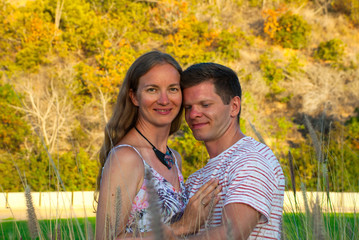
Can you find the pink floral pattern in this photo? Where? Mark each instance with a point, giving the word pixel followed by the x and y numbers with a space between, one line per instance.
pixel 172 202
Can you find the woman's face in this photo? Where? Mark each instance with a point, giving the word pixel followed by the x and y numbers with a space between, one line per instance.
pixel 158 95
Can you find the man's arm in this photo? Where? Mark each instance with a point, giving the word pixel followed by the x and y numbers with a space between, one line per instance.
pixel 240 219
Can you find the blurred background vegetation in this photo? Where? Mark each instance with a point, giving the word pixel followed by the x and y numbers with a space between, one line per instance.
pixel 62 63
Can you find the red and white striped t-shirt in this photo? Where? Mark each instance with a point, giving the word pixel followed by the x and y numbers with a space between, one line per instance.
pixel 250 174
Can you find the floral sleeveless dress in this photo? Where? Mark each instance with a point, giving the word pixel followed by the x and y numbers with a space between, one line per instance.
pixel 172 202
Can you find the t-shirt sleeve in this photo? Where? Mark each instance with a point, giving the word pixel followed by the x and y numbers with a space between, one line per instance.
pixel 251 181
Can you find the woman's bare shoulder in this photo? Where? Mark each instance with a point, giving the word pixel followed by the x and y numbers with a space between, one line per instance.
pixel 124 156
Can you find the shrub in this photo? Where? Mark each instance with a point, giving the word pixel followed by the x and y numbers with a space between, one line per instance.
pixel 348 7
pixel 229 43
pixel 292 31
pixel 332 50
pixel 13 129
pixel 272 73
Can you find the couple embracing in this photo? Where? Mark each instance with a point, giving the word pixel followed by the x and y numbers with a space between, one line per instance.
pixel 241 187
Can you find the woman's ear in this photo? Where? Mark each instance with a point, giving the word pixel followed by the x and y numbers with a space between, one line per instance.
pixel 235 106
pixel 133 97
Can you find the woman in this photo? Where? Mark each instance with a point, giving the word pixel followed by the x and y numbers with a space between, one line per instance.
pixel 148 110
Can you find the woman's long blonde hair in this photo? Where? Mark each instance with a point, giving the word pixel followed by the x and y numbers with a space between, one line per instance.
pixel 125 114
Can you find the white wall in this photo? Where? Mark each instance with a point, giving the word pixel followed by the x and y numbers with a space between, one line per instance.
pixel 80 204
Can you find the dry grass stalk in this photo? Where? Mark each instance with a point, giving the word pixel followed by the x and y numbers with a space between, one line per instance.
pixel 118 205
pixel 229 231
pixel 307 218
pixel 305 199
pixel 31 215
pixel 57 234
pixel 317 220
pixel 90 233
pixel 259 136
pixel 108 230
pixel 210 215
pixel 154 208
pixel 317 144
pixel 291 168
pixel 326 178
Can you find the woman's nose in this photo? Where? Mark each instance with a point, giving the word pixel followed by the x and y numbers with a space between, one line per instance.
pixel 163 98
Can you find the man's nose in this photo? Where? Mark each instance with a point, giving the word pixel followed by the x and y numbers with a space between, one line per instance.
pixel 194 112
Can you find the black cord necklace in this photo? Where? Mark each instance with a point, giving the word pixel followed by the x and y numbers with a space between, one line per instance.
pixel 166 159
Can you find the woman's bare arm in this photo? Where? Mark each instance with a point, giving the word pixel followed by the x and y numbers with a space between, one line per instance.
pixel 123 170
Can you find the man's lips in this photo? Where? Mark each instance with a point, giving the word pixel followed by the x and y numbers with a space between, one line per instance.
pixel 197 125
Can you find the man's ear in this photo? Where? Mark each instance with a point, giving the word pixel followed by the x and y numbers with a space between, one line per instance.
pixel 235 106
pixel 133 97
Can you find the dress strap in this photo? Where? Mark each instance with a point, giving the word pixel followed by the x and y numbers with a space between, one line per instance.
pixel 126 145
pixel 178 170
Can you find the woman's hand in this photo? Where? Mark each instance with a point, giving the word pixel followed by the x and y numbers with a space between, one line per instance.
pixel 198 208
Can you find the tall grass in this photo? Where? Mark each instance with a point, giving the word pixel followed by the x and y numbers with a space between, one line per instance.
pixel 307 218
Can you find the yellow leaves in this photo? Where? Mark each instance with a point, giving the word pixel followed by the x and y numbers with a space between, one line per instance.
pixel 271 25
pixel 210 38
pixel 108 70
pixel 38 30
pixel 122 42
pixel 107 44
pixel 271 22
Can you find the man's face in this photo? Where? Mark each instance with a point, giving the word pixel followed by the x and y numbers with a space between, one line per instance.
pixel 206 114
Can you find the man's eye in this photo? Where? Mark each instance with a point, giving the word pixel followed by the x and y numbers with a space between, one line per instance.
pixel 205 105
pixel 187 107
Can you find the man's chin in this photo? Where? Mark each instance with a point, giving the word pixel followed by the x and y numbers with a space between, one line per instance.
pixel 198 137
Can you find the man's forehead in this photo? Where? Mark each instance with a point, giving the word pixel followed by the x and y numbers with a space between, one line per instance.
pixel 199 93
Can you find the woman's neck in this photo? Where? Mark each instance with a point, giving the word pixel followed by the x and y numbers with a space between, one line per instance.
pixel 157 136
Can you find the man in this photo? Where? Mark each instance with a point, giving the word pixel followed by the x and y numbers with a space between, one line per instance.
pixel 251 200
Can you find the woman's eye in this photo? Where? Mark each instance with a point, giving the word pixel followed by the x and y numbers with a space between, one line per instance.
pixel 151 90
pixel 174 89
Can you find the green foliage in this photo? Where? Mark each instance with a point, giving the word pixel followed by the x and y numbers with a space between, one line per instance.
pixel 77 171
pixel 11 181
pixel 339 150
pixel 31 56
pixel 192 41
pixel 92 46
pixel 352 134
pixel 107 71
pixel 255 3
pixel 272 73
pixel 294 65
pixel 80 27
pixel 293 31
pixel 332 50
pixel 229 43
pixel 13 129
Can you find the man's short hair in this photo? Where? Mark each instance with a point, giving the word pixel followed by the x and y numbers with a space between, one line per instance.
pixel 224 79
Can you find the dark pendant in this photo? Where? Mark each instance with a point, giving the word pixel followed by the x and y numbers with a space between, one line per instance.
pixel 165 159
